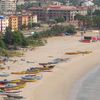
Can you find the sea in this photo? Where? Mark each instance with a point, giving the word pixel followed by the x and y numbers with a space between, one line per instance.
pixel 88 88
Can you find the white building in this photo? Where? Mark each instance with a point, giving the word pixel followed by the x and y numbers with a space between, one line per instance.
pixel 4 22
pixel 57 3
pixel 88 3
pixel 34 19
pixel 7 5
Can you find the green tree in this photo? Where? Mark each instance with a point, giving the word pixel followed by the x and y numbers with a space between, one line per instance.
pixel 2 44
pixel 96 13
pixel 19 39
pixel 8 36
pixel 60 19
pixel 70 29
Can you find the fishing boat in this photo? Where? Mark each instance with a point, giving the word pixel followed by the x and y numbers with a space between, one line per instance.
pixel 16 87
pixel 31 78
pixel 26 72
pixel 9 91
pixel 3 92
pixel 5 81
pixel 44 68
pixel 3 74
pixel 15 96
pixel 47 66
pixel 17 81
pixel 2 68
pixel 12 86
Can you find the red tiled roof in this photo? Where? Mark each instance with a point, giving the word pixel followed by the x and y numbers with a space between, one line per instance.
pixel 56 7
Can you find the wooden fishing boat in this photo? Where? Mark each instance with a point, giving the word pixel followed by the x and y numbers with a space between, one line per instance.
pixel 17 81
pixel 2 68
pixel 15 96
pixel 26 72
pixel 44 68
pixel 9 91
pixel 85 52
pixel 26 80
pixel 31 78
pixel 3 74
pixel 78 52
pixel 5 81
pixel 72 53
pixel 12 86
pixel 12 91
pixel 4 92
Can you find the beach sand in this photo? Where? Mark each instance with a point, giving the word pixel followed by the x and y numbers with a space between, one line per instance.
pixel 57 85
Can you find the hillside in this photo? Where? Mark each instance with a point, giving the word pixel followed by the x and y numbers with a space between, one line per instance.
pixel 77 2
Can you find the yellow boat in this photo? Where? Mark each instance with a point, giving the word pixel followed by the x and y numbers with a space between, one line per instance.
pixel 29 80
pixel 17 81
pixel 26 72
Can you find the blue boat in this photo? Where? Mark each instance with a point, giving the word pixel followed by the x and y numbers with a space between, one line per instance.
pixel 32 77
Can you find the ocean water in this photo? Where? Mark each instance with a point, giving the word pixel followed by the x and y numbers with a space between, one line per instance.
pixel 88 88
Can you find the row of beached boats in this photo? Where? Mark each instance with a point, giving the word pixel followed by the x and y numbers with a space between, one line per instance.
pixel 11 88
pixel 36 70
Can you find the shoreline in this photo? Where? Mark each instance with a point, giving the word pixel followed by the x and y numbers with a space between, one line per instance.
pixel 78 85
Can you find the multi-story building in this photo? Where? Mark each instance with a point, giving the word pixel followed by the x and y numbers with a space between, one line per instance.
pixel 40 12
pixel 13 22
pixel 4 22
pixel 55 11
pixel 32 18
pixel 23 20
pixel 7 6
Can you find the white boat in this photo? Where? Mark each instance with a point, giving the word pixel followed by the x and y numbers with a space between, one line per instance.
pixel 32 77
pixel 3 74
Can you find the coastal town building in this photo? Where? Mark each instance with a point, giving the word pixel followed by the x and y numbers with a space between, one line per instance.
pixel 4 22
pixel 57 11
pixel 56 3
pixel 7 6
pixel 16 21
pixel 23 20
pixel 33 19
pixel 13 22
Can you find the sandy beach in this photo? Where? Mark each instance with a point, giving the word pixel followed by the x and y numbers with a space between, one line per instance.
pixel 56 85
